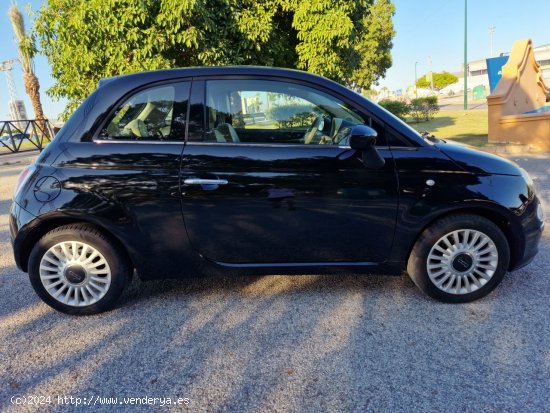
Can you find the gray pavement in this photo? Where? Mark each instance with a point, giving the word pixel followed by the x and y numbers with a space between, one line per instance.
pixel 19 158
pixel 456 102
pixel 282 344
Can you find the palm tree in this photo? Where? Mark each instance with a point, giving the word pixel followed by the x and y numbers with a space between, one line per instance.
pixel 26 53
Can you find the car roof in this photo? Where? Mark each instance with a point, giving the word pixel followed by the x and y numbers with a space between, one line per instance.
pixel 157 75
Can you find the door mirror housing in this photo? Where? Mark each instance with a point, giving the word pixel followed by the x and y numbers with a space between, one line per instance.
pixel 363 138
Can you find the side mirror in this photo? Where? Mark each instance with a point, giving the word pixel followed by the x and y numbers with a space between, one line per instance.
pixel 363 138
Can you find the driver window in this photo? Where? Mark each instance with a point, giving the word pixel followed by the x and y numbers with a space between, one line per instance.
pixel 273 112
pixel 151 115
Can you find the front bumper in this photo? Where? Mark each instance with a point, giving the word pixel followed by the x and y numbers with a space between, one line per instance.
pixel 532 228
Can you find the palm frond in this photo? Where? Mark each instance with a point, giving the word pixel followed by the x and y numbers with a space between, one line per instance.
pixel 26 46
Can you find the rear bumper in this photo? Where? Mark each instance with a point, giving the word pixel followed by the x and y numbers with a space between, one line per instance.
pixel 532 228
pixel 19 218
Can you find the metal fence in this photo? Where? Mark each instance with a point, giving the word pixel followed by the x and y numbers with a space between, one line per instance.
pixel 24 135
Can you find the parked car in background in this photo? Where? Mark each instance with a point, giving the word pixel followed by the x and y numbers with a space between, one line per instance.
pixel 14 138
pixel 168 174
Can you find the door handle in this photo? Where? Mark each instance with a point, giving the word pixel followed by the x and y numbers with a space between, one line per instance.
pixel 200 181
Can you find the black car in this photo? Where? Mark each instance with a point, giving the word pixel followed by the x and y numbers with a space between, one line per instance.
pixel 255 170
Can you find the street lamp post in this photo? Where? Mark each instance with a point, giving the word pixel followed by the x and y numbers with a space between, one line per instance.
pixel 465 54
pixel 431 73
pixel 415 80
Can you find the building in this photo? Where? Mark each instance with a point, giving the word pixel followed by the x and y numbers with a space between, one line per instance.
pixel 477 70
pixel 18 112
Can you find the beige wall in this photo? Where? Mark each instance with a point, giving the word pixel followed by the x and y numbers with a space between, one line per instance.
pixel 521 89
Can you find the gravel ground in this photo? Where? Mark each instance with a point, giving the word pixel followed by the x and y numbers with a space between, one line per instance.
pixel 283 344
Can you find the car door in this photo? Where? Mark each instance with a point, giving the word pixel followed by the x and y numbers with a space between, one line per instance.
pixel 268 180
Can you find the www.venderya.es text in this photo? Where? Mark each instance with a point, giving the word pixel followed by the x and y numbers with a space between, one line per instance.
pixel 95 400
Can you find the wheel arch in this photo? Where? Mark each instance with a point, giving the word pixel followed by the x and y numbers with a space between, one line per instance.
pixel 501 219
pixel 43 226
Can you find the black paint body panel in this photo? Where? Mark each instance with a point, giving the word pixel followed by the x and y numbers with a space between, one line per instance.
pixel 288 204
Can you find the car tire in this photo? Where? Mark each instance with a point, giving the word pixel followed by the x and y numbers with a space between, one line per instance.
pixel 459 258
pixel 78 270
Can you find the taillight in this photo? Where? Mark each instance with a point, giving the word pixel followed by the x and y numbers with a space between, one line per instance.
pixel 23 178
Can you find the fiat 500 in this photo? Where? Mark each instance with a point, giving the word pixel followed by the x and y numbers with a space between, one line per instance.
pixel 252 170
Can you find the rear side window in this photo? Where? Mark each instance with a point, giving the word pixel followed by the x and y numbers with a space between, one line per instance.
pixel 154 114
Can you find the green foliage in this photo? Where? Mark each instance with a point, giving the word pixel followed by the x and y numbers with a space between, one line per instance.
pixel 349 41
pixel 419 109
pixel 440 80
pixel 423 109
pixel 291 115
pixel 86 40
pixel 398 108
pixel 27 47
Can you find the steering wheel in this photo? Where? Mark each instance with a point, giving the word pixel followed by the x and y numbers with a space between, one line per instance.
pixel 316 126
pixel 342 135
pixel 155 131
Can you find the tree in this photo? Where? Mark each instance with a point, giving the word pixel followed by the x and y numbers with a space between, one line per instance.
pixel 26 53
pixel 86 40
pixel 440 80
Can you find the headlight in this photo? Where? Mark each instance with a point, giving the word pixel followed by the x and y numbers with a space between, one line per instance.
pixel 540 212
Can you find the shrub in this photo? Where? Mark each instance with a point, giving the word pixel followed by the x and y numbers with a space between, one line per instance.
pixel 431 106
pixel 398 108
pixel 424 108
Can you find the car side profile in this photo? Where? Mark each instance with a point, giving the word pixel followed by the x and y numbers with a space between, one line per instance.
pixel 178 173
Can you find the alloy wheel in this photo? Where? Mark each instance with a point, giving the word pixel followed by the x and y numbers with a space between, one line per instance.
pixel 75 273
pixel 462 261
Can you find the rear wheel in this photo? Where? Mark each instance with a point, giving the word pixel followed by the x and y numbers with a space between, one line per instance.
pixel 459 258
pixel 77 270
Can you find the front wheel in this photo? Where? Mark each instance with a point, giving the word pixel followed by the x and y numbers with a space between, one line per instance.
pixel 459 258
pixel 77 270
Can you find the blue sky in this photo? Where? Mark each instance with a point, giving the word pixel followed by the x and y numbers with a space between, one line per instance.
pixel 425 28
pixel 435 28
